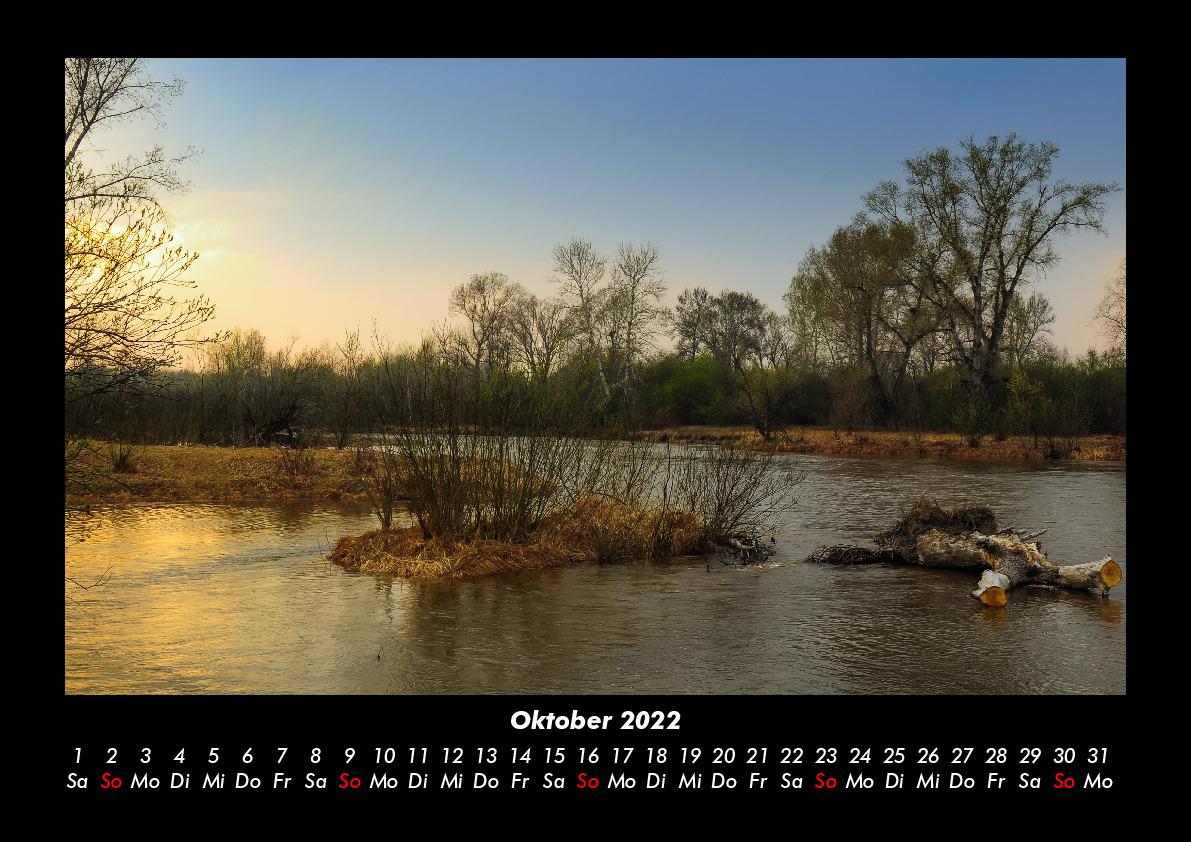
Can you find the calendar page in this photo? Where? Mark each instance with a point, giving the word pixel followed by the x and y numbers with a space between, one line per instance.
pixel 596 433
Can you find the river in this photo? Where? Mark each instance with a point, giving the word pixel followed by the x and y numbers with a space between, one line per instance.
pixel 240 599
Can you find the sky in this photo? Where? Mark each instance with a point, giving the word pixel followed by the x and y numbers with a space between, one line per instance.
pixel 328 193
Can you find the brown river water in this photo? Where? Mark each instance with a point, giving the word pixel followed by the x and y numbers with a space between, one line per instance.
pixel 240 599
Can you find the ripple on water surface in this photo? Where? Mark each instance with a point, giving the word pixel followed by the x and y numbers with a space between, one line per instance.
pixel 235 598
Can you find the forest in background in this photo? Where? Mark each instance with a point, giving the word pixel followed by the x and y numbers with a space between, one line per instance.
pixel 739 363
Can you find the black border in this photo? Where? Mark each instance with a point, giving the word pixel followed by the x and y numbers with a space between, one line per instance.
pixel 483 719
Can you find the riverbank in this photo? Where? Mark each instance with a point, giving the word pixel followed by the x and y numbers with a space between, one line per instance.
pixel 198 474
pixel 897 443
pixel 201 474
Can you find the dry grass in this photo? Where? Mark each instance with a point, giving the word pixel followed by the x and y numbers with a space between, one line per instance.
pixel 229 474
pixel 404 552
pixel 894 443
pixel 927 515
pixel 606 530
pixel 597 530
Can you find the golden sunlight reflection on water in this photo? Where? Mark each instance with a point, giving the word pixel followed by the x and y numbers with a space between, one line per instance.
pixel 240 599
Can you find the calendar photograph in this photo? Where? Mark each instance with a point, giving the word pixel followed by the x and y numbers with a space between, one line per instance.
pixel 594 377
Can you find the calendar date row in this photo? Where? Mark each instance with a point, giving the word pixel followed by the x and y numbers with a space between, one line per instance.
pixel 617 755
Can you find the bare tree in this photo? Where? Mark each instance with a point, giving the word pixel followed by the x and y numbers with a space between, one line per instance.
pixel 541 330
pixel 758 346
pixel 105 91
pixel 264 397
pixel 689 320
pixel 1027 329
pixel 857 300
pixel 344 402
pixel 127 315
pixel 988 215
pixel 1111 312
pixel 123 324
pixel 734 321
pixel 486 302
pixel 580 271
pixel 763 372
pixel 635 299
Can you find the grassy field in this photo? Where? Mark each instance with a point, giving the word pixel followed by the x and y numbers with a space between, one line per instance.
pixel 225 474
pixel 896 443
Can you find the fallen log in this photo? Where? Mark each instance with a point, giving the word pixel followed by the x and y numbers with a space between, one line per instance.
pixel 968 539
pixel 1009 562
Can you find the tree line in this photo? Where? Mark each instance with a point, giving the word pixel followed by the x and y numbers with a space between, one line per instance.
pixel 734 361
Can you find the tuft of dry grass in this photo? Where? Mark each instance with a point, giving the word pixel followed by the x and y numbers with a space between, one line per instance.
pixel 405 552
pixel 606 530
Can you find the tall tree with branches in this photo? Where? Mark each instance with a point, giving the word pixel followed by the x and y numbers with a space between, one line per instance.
pixel 689 321
pixel 1111 312
pixel 580 271
pixel 635 298
pixel 987 216
pixel 855 295
pixel 128 315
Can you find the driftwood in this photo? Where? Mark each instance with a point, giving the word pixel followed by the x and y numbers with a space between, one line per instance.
pixel 745 549
pixel 968 539
pixel 845 554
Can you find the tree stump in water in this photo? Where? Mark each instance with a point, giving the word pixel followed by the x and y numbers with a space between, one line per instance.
pixel 968 539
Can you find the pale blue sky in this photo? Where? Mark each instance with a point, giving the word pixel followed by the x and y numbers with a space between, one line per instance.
pixel 331 192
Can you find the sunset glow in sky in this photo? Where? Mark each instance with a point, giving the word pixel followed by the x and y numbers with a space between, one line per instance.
pixel 328 193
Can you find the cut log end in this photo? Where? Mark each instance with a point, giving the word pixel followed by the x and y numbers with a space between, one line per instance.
pixel 1099 575
pixel 992 588
pixel 993 596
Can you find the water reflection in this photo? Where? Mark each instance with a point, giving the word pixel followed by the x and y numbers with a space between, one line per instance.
pixel 220 598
